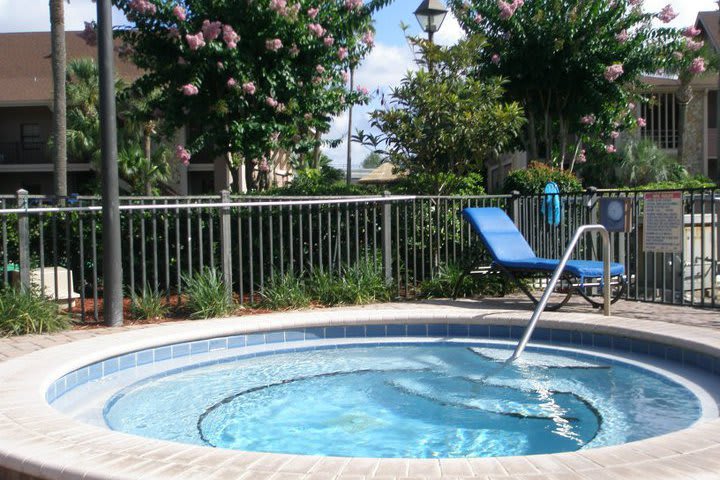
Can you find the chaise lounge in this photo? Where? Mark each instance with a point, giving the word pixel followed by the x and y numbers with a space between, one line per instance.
pixel 513 256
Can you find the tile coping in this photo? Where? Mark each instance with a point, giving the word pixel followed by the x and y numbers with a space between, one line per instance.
pixel 38 441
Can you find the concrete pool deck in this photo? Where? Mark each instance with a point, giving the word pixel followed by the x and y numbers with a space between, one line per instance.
pixel 38 442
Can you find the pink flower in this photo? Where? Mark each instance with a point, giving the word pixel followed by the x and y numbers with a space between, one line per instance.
pixel 478 18
pixel 588 119
pixel 231 82
pixel 368 38
pixel 249 88
pixel 211 30
pixel 692 32
pixel 279 6
pixel 642 123
pixel 179 13
pixel 89 34
pixel 273 45
pixel 581 158
pixel 190 90
pixel 697 66
pixel 635 3
pixel 678 55
pixel 345 76
pixel 631 106
pixel 495 58
pixel 353 4
pixel 271 102
pixel 229 36
pixel 507 10
pixel 195 41
pixel 613 72
pixel 667 14
pixel 317 29
pixel 622 37
pixel 317 80
pixel 312 12
pixel 692 45
pixel 342 53
pixel 143 6
pixel 328 41
pixel 614 134
pixel 362 90
pixel 182 155
pixel 280 107
pixel 610 148
pixel 320 69
pixel 294 50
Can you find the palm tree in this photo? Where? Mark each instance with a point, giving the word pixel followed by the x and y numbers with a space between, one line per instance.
pixel 59 66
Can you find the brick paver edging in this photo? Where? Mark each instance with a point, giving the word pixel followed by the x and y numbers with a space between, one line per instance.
pixel 37 442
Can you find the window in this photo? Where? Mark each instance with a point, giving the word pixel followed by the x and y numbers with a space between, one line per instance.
pixel 30 136
pixel 662 115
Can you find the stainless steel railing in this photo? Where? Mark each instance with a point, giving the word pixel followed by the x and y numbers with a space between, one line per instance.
pixel 540 308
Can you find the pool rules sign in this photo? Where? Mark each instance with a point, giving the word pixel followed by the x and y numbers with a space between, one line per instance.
pixel 663 222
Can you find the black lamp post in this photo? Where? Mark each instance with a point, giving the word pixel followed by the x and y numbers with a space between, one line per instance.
pixel 430 15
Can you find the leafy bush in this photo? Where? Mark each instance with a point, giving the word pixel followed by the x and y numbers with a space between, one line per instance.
pixel 313 182
pixel 24 312
pixel 364 283
pixel 644 163
pixel 449 282
pixel 284 291
pixel 533 179
pixel 697 181
pixel 440 184
pixel 148 304
pixel 207 295
pixel 326 288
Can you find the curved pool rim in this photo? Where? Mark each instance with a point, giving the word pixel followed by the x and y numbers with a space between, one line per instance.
pixel 39 442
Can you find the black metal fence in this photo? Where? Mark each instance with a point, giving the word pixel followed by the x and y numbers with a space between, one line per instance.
pixel 252 239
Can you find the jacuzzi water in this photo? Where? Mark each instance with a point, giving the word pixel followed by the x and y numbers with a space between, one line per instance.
pixel 412 401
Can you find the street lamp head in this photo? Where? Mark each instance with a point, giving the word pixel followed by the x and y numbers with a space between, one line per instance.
pixel 431 14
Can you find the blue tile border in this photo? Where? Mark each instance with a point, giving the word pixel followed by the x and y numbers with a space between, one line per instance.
pixel 283 337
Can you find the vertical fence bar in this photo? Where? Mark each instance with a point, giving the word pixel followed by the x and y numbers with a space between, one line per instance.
pixel 226 242
pixel 24 241
pixel 387 239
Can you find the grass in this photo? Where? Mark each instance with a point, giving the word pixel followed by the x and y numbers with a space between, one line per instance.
pixel 284 292
pixel 148 304
pixel 207 295
pixel 24 312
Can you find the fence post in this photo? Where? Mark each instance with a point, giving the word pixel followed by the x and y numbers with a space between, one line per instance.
pixel 226 242
pixel 515 207
pixel 24 240
pixel 387 238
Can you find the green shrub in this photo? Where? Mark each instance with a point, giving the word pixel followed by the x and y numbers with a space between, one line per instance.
pixel 148 304
pixel 440 184
pixel 326 288
pixel 450 282
pixel 697 181
pixel 283 292
pixel 532 180
pixel 364 283
pixel 645 163
pixel 23 312
pixel 207 295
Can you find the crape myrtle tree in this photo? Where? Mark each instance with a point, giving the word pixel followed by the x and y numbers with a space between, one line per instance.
pixel 252 76
pixel 574 65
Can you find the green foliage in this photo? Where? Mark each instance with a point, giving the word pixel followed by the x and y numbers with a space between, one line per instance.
pixel 148 304
pixel 440 184
pixel 643 163
pixel 555 54
pixel 283 292
pixel 275 51
pixel 25 312
pixel 314 183
pixel 146 173
pixel 444 119
pixel 373 160
pixel 207 295
pixel 364 283
pixel 690 182
pixel 359 284
pixel 532 180
pixel 450 282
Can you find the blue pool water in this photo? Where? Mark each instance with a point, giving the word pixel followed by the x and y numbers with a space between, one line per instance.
pixel 414 401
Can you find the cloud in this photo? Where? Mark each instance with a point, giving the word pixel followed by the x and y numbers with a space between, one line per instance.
pixel 34 16
pixel 450 32
pixel 386 65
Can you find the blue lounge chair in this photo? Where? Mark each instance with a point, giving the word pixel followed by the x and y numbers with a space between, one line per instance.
pixel 513 256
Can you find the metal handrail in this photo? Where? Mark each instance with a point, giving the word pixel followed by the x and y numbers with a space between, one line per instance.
pixel 540 308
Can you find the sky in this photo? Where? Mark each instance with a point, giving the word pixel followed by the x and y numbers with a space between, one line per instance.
pixel 381 70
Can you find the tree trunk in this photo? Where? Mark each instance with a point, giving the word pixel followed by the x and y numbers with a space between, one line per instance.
pixel 316 151
pixel 59 123
pixel 533 149
pixel 684 96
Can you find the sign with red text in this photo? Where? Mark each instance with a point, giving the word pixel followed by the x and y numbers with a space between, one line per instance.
pixel 663 222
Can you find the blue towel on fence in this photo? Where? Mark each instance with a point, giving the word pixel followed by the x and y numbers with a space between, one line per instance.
pixel 551 204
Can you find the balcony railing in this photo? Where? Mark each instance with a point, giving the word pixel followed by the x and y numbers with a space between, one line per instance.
pixel 23 153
